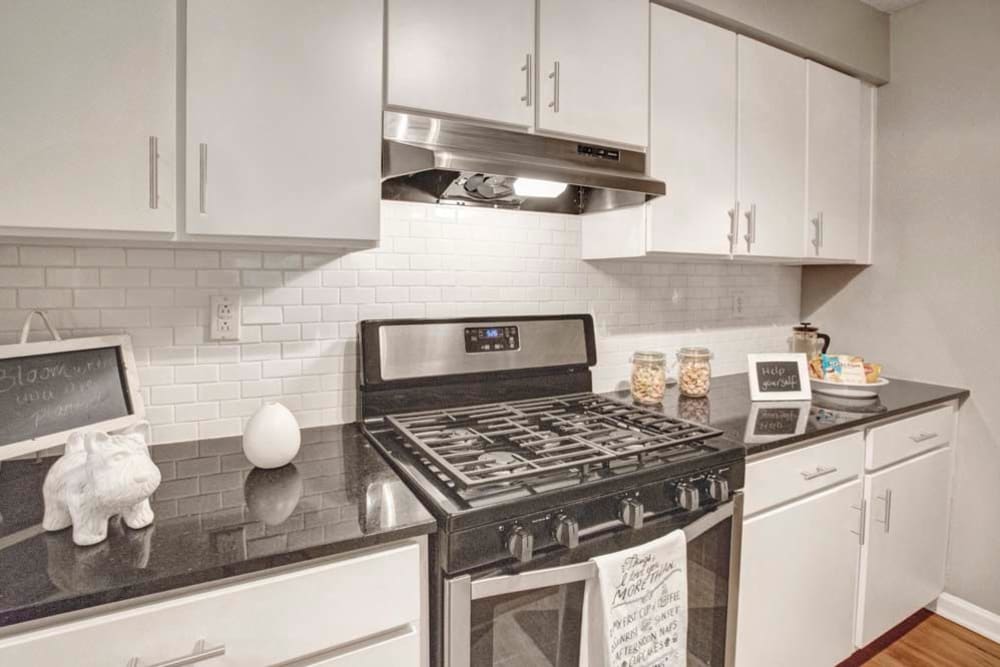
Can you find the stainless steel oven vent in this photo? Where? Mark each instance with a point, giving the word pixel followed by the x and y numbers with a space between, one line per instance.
pixel 436 160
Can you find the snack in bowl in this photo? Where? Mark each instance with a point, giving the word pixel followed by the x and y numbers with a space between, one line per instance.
pixel 844 368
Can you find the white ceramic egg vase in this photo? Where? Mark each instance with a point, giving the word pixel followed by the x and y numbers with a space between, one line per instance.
pixel 272 437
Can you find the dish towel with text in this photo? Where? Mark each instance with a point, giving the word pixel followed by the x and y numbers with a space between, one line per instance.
pixel 635 611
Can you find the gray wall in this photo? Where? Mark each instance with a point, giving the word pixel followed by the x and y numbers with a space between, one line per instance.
pixel 846 34
pixel 929 307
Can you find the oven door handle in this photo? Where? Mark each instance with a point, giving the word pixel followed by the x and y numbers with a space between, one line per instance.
pixel 461 591
pixel 569 574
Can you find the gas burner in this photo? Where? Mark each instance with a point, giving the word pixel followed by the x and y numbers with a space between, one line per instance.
pixel 486 444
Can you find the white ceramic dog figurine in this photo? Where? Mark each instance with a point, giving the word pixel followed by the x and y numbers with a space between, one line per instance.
pixel 98 476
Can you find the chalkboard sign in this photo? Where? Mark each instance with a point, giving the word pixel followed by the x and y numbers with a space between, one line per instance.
pixel 48 390
pixel 772 421
pixel 779 377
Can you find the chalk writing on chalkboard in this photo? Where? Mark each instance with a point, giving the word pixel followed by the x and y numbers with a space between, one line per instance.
pixel 778 376
pixel 51 393
pixel 777 421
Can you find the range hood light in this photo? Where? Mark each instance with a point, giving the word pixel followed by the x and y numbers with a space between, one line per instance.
pixel 533 187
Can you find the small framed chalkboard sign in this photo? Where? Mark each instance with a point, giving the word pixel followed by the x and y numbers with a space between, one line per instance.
pixel 772 421
pixel 50 389
pixel 779 377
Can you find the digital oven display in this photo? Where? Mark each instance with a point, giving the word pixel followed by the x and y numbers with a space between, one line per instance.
pixel 492 339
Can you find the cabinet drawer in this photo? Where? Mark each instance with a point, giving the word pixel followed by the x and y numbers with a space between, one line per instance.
pixel 907 437
pixel 271 620
pixel 801 472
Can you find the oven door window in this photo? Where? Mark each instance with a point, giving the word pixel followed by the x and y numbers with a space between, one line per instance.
pixel 541 626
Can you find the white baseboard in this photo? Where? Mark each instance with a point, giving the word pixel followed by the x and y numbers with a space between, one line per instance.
pixel 968 615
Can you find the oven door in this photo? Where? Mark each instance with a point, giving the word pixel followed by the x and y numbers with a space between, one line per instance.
pixel 533 617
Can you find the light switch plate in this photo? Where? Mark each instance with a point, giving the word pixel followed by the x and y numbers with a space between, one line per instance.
pixel 224 317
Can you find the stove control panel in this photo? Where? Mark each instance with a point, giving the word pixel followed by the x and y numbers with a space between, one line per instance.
pixel 492 339
pixel 523 538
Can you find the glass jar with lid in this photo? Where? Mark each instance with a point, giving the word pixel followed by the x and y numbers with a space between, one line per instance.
pixel 694 371
pixel 649 377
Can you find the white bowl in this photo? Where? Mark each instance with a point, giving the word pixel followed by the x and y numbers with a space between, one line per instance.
pixel 845 390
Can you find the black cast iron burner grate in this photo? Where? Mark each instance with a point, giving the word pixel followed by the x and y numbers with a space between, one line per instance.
pixel 503 442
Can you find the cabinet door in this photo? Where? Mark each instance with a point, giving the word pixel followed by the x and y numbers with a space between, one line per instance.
pixel 85 86
pixel 473 59
pixel 835 164
pixel 692 133
pixel 284 118
pixel 903 560
pixel 772 150
pixel 798 575
pixel 593 66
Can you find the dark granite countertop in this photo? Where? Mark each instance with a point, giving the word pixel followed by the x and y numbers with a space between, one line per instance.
pixel 767 426
pixel 216 517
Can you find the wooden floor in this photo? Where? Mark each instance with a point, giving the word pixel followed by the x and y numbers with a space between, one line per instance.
pixel 937 642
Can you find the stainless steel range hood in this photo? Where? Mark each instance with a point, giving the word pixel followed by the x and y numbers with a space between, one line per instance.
pixel 437 160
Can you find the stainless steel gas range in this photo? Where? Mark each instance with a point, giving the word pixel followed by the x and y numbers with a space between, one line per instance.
pixel 492 423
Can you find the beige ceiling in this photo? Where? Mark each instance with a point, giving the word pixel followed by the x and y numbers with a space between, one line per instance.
pixel 890 6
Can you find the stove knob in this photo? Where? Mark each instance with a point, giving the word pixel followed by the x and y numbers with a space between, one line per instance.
pixel 630 512
pixel 521 543
pixel 718 488
pixel 687 496
pixel 567 531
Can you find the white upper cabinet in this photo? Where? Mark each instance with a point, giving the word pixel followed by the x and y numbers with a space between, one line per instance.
pixel 772 151
pixel 88 116
pixel 836 164
pixel 284 118
pixel 471 59
pixel 903 558
pixel 593 66
pixel 692 135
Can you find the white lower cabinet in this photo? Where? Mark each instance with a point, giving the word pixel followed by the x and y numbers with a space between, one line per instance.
pixel 359 610
pixel 835 554
pixel 797 594
pixel 903 558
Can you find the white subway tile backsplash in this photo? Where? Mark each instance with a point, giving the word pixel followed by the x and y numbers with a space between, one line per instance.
pixel 300 312
pixel 46 256
pixel 100 257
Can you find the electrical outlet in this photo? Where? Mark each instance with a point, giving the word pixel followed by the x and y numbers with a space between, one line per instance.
pixel 225 317
pixel 739 303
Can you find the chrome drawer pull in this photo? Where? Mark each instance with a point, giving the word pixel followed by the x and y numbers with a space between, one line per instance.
pixel 154 173
pixel 203 178
pixel 923 437
pixel 199 654
pixel 526 98
pixel 861 521
pixel 818 472
pixel 887 499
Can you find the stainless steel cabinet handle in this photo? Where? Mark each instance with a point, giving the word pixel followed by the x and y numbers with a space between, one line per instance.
pixel 822 229
pixel 154 173
pixel 751 236
pixel 887 499
pixel 554 104
pixel 860 532
pixel 526 98
pixel 923 437
pixel 818 239
pixel 820 471
pixel 203 178
pixel 734 224
pixel 199 654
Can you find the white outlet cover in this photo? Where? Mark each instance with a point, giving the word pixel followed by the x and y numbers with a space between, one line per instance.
pixel 224 317
pixel 739 298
